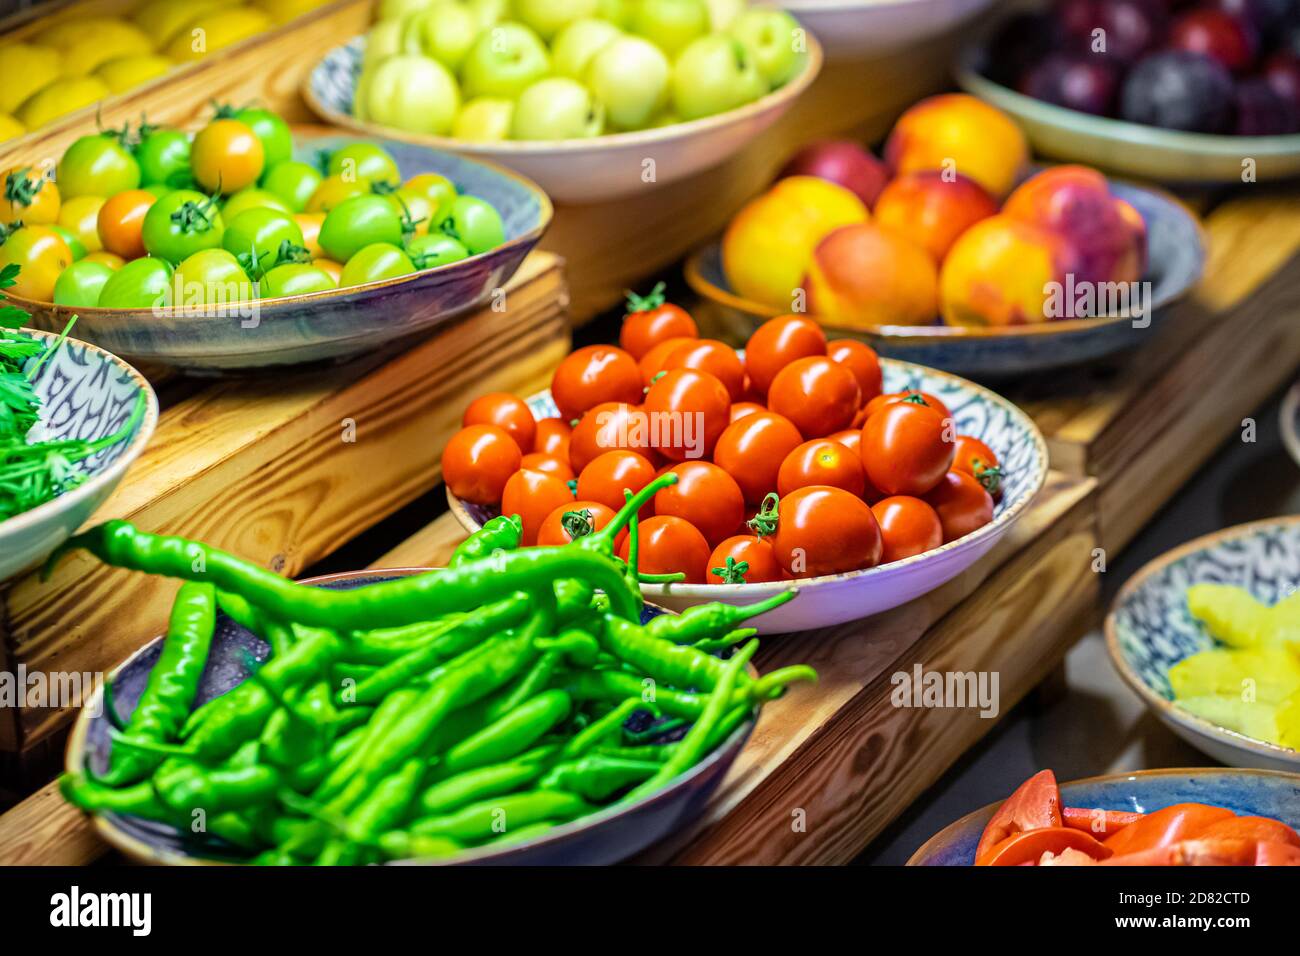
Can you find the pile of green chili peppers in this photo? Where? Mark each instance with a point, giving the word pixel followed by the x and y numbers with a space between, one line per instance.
pixel 480 704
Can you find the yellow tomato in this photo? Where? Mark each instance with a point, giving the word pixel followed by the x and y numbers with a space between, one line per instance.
pixel 10 128
pixel 215 30
pixel 164 19
pixel 41 254
pixel 331 268
pixel 310 223
pixel 333 190
pixel 80 216
pixel 84 56
pixel 24 69
pixel 27 196
pixel 126 72
pixel 106 258
pixel 61 97
pixel 121 222
pixel 226 155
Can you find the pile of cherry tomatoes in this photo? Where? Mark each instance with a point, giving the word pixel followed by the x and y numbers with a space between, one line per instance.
pixel 797 465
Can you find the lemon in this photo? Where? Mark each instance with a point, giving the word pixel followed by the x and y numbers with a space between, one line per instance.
pixel 164 19
pixel 10 128
pixel 282 11
pixel 60 97
pixel 84 56
pixel 24 69
pixel 213 31
pixel 67 33
pixel 128 71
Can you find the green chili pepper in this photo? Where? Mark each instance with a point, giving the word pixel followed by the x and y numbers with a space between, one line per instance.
pixel 678 665
pixel 386 715
pixel 596 732
pixel 597 777
pixel 398 845
pixel 532 683
pixel 137 800
pixel 709 620
pixel 482 821
pixel 483 782
pixel 510 734
pixel 503 533
pixel 185 786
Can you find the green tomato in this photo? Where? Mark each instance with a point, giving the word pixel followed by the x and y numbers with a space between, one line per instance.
pixel 293 182
pixel 140 284
pixel 438 189
pixel 258 238
pixel 295 278
pixel 254 198
pixel 76 245
pixel 475 223
pixel 79 285
pixel 357 222
pixel 164 157
pixel 180 224
pixel 211 277
pixel 379 260
pixel 364 161
pixel 277 141
pixel 433 250
pixel 158 189
pixel 97 165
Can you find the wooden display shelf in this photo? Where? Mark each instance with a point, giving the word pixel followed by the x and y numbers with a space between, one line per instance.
pixel 837 751
pixel 280 470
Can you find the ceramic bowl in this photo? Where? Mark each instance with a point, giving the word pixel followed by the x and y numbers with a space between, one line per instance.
pixel 836 598
pixel 1149 628
pixel 1247 792
pixel 1131 149
pixel 853 29
pixel 338 323
pixel 1290 422
pixel 86 393
pixel 613 834
pixel 575 170
pixel 1176 253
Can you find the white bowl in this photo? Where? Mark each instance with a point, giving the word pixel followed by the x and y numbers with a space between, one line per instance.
pixel 836 598
pixel 85 393
pixel 575 170
pixel 851 29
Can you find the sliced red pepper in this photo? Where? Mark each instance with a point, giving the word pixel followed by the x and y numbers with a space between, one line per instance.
pixel 1028 846
pixel 1100 823
pixel 1182 821
pixel 1260 829
pixel 1036 803
pixel 1277 854
pixel 1190 853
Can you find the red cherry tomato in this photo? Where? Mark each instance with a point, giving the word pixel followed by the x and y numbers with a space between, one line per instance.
pixel 583 517
pixel 593 375
pixel 477 463
pixel 666 545
pixel 778 342
pixel 908 527
pixel 977 460
pixel 740 409
pixel 650 320
pixel 717 358
pixel 893 398
pixel 506 411
pixel 753 561
pixel 548 464
pixel 824 530
pixel 552 437
pixel 850 438
pixel 608 427
pixel 821 462
pixel 608 474
pixel 962 504
pixel 686 412
pixel 707 497
pixel 751 451
pixel 656 360
pixel 906 449
pixel 819 395
pixel 860 359
pixel 533 495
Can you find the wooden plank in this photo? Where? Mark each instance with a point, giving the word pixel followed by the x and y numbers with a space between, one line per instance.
pixel 1144 425
pixel 265 468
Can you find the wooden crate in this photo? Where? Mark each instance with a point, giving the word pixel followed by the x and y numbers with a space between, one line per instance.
pixel 838 752
pixel 262 467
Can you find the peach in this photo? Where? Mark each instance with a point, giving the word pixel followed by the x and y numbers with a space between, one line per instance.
pixel 1075 201
pixel 1001 272
pixel 956 133
pixel 865 275
pixel 767 246
pixel 931 209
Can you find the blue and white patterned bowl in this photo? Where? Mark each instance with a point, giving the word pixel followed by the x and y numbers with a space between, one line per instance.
pixel 1176 259
pixel 1290 422
pixel 1149 628
pixel 836 598
pixel 338 323
pixel 86 393
pixel 1261 793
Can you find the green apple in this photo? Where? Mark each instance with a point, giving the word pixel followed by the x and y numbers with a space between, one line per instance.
pixel 617 12
pixel 549 17
pixel 383 40
pixel 484 120
pixel 446 32
pixel 671 25
pixel 722 13
pixel 578 43
pixel 714 74
pixel 630 76
pixel 413 93
pixel 489 12
pixel 558 108
pixel 775 40
pixel 504 61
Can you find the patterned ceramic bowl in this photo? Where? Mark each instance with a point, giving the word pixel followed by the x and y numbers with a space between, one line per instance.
pixel 853 29
pixel 1149 628
pixel 1290 422
pixel 836 598
pixel 1176 258
pixel 606 837
pixel 341 322
pixel 1247 792
pixel 86 393
pixel 576 170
